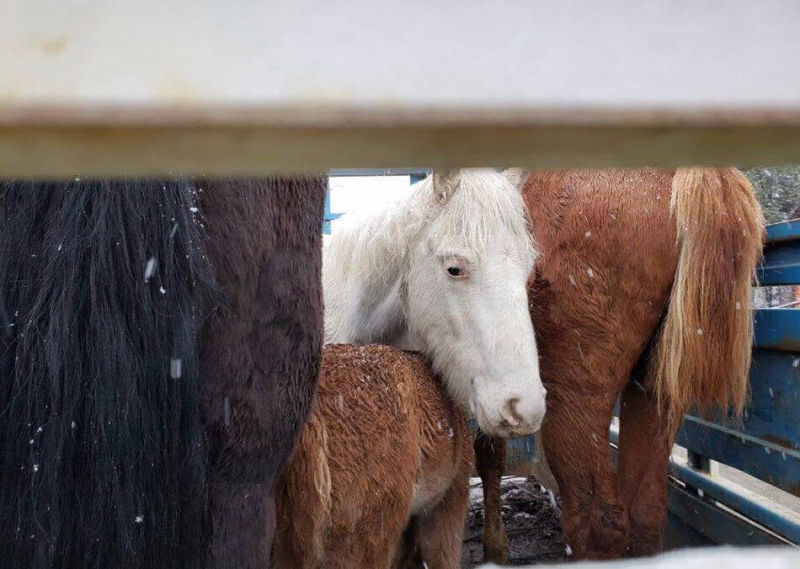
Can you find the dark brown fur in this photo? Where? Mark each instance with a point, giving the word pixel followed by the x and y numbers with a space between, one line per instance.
pixel 126 461
pixel 610 321
pixel 384 449
pixel 260 351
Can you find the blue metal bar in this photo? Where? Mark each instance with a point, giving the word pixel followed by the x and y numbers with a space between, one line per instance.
pixel 520 452
pixel 718 525
pixel 773 412
pixel 784 231
pixel 771 462
pixel 782 525
pixel 781 264
pixel 326 224
pixel 777 328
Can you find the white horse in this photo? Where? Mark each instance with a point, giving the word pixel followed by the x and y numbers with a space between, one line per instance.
pixel 445 273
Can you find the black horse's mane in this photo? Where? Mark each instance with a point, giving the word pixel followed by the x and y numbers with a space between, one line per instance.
pixel 102 286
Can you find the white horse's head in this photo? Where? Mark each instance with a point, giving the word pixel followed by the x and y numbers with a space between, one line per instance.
pixel 465 298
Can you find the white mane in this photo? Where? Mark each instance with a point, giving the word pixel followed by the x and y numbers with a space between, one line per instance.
pixel 370 254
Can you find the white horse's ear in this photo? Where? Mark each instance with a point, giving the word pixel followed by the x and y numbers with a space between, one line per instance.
pixel 517 176
pixel 445 183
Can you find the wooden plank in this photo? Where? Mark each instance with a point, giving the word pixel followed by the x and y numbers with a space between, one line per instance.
pixel 226 150
pixel 777 329
pixel 250 87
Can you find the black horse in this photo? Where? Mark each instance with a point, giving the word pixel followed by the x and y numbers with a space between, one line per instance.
pixel 160 348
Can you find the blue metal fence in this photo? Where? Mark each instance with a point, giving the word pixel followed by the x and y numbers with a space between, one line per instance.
pixel 766 443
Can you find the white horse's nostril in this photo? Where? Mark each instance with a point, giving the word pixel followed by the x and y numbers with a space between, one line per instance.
pixel 509 412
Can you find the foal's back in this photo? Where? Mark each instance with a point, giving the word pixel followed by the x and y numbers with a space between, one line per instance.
pixel 384 447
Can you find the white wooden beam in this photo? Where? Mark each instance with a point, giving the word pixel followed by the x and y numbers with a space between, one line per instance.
pixel 247 86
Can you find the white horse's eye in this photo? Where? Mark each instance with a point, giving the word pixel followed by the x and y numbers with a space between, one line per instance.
pixel 457 269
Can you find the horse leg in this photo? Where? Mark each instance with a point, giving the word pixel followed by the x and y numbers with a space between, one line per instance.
pixel 540 470
pixel 490 459
pixel 644 450
pixel 575 437
pixel 441 531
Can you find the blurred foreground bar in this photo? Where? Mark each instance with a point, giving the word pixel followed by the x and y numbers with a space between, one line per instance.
pixel 253 87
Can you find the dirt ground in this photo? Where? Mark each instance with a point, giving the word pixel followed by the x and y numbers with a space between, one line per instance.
pixel 532 519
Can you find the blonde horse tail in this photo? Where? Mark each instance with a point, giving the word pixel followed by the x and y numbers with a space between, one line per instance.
pixel 702 354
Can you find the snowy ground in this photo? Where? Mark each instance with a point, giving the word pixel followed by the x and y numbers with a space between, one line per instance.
pixel 532 521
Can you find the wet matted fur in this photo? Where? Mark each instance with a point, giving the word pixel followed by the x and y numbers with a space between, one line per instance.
pixel 383 450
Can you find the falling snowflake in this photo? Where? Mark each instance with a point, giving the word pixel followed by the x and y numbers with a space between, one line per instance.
pixel 175 368
pixel 149 269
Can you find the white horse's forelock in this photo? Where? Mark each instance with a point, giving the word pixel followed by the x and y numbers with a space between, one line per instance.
pixel 483 202
pixel 479 203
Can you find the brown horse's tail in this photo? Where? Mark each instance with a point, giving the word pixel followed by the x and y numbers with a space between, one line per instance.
pixel 702 355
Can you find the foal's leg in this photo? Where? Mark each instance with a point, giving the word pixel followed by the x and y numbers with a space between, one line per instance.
pixel 490 460
pixel 441 531
pixel 643 464
pixel 575 436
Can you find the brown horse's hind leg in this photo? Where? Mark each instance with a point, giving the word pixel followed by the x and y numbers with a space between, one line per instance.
pixel 575 436
pixel 490 459
pixel 643 464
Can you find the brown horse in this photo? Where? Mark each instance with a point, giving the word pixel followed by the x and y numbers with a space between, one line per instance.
pixel 160 351
pixel 384 453
pixel 642 289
